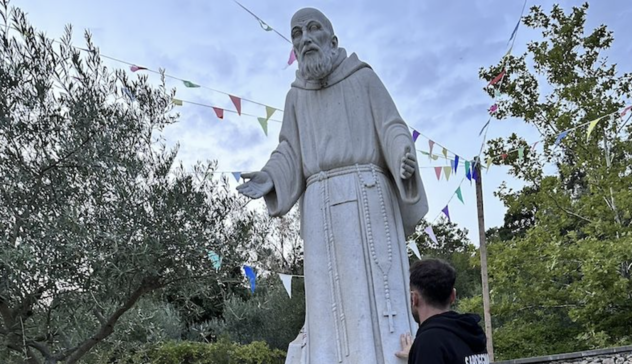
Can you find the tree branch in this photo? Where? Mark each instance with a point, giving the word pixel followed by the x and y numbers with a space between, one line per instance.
pixel 107 328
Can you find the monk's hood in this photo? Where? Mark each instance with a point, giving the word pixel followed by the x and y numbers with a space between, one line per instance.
pixel 343 67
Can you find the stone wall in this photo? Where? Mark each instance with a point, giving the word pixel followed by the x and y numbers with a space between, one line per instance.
pixel 620 355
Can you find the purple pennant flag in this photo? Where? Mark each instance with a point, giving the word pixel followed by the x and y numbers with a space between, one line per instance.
pixel 415 135
pixel 431 234
pixel 252 276
pixel 456 162
pixel 446 211
pixel 474 173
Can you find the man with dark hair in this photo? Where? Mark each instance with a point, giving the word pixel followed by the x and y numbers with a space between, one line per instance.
pixel 444 336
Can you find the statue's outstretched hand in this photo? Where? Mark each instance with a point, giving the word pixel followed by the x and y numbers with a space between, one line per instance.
pixel 409 164
pixel 259 184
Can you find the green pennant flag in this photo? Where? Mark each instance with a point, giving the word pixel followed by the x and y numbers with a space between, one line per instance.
pixel 177 102
pixel 521 155
pixel 269 112
pixel 264 125
pixel 459 194
pixel 190 84
pixel 467 166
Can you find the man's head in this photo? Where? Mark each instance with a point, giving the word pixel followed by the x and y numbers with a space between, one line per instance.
pixel 432 286
pixel 315 43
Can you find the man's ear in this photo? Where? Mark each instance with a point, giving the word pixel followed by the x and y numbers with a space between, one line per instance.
pixel 414 298
pixel 334 42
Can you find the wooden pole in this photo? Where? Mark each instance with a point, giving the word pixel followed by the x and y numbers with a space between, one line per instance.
pixel 483 251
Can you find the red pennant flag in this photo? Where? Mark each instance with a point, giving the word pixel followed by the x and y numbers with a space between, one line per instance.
pixel 504 156
pixel 625 111
pixel 237 102
pixel 438 172
pixel 135 68
pixel 219 112
pixel 292 57
pixel 431 144
pixel 496 79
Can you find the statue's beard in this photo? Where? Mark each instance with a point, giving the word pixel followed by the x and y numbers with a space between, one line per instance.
pixel 317 65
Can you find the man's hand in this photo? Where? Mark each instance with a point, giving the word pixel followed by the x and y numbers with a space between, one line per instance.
pixel 409 164
pixel 406 341
pixel 259 184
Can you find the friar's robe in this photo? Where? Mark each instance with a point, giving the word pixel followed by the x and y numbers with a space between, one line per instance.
pixel 340 152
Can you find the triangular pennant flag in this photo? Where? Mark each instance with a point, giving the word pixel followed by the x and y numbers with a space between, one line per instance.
pixel 237 102
pixel 190 84
pixel 434 156
pixel 513 34
pixel 508 51
pixel 177 102
pixel 504 156
pixel 215 259
pixel 496 93
pixel 135 68
pixel 446 172
pixel 264 125
pixel 484 126
pixel 560 137
pixel 467 170
pixel 219 112
pixel 431 234
pixel 438 172
pixel 533 146
pixel 431 144
pixel 459 194
pixel 456 163
pixel 292 58
pixel 445 153
pixel 415 135
pixel 497 78
pixel 269 111
pixel 493 109
pixel 413 247
pixel 287 283
pixel 520 154
pixel 474 171
pixel 264 26
pixel 489 162
pixel 252 277
pixel 237 175
pixel 129 94
pixel 625 111
pixel 446 212
pixel 591 127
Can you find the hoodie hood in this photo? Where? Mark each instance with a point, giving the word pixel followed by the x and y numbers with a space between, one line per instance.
pixel 343 67
pixel 465 326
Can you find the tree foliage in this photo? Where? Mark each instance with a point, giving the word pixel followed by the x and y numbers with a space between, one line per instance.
pixel 560 266
pixel 94 211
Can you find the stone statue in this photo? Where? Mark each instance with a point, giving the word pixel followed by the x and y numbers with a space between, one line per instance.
pixel 347 155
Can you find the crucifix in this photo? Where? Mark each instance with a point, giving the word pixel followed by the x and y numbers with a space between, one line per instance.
pixel 390 313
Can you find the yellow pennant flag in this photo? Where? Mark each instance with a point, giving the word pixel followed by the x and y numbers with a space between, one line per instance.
pixel 591 127
pixel 269 112
pixel 445 153
pixel 446 172
pixel 177 102
pixel 489 162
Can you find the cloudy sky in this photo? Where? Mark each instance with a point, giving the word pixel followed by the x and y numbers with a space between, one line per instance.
pixel 427 53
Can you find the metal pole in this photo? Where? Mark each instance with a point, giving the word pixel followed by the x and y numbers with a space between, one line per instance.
pixel 483 251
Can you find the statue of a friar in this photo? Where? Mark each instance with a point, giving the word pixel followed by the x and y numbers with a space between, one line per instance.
pixel 347 155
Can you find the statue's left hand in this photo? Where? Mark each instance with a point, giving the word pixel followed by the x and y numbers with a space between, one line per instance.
pixel 409 164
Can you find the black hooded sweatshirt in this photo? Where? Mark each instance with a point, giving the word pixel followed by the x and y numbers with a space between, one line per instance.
pixel 450 337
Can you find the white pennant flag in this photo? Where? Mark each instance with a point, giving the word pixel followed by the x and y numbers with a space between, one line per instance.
pixel 413 247
pixel 287 283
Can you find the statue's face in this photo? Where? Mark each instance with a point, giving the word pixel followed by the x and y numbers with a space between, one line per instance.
pixel 314 44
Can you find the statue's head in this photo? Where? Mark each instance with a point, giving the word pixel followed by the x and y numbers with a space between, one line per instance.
pixel 315 43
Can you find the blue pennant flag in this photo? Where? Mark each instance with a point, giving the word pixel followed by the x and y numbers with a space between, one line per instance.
pixel 456 162
pixel 513 34
pixel 560 137
pixel 252 276
pixel 474 173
